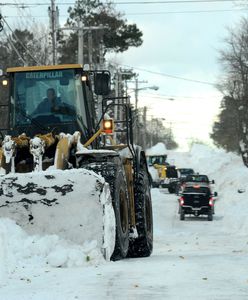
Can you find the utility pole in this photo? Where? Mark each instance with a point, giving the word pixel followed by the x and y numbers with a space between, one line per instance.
pixel 53 15
pixel 117 86
pixel 136 90
pixel 136 93
pixel 144 126
pixel 81 29
pixel 101 55
pixel 80 43
pixel 90 48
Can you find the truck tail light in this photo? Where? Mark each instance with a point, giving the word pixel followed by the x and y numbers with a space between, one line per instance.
pixel 181 201
pixel 211 202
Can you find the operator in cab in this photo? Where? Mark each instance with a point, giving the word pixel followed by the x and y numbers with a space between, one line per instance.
pixel 53 104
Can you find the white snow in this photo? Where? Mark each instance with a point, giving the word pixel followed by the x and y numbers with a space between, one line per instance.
pixel 37 149
pixel 9 147
pixel 81 211
pixel 154 173
pixel 158 149
pixel 192 259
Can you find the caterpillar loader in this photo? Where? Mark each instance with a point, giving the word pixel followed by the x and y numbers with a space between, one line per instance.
pixel 162 173
pixel 63 170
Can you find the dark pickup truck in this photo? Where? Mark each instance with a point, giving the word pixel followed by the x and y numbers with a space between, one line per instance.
pixel 196 199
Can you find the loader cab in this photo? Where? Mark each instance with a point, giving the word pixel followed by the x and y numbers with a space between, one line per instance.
pixel 157 160
pixel 50 98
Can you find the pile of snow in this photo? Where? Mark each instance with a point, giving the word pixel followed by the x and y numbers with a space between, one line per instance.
pixel 230 177
pixel 158 149
pixel 154 173
pixel 56 218
pixel 20 250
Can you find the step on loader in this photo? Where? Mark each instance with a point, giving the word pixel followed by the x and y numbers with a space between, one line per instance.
pixel 63 170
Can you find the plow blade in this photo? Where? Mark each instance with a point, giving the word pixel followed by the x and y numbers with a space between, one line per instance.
pixel 73 204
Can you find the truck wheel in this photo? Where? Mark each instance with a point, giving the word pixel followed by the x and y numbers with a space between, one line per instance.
pixel 142 246
pixel 210 216
pixel 182 215
pixel 171 190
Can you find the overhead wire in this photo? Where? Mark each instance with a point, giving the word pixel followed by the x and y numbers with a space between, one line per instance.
pixel 14 48
pixel 176 97
pixel 25 14
pixel 154 13
pixel 185 12
pixel 20 42
pixel 122 2
pixel 165 74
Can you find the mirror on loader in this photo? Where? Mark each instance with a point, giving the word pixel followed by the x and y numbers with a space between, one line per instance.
pixel 102 83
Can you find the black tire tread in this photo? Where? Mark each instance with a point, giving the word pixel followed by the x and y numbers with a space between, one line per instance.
pixel 143 245
pixel 110 171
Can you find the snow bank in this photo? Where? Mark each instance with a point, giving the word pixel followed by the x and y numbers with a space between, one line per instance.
pixel 158 149
pixel 230 176
pixel 66 218
pixel 20 250
pixel 2 256
pixel 154 173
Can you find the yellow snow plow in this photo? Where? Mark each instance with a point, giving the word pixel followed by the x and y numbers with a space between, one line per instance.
pixel 162 173
pixel 63 170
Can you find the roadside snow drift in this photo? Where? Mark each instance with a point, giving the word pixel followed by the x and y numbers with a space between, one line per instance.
pixel 60 217
pixel 230 175
pixel 192 259
pixel 158 149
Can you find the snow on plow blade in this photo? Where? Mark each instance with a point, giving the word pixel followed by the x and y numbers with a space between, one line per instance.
pixel 73 204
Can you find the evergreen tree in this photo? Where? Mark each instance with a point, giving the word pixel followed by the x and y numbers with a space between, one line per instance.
pixel 226 129
pixel 116 36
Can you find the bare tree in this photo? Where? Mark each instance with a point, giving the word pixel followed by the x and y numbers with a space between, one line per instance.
pixel 234 83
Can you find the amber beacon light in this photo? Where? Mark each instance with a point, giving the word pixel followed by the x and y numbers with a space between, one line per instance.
pixel 108 126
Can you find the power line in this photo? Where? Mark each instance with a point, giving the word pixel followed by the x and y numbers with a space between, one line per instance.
pixel 23 14
pixel 175 97
pixel 155 13
pixel 173 2
pixel 20 42
pixel 186 12
pixel 23 5
pixel 14 48
pixel 167 75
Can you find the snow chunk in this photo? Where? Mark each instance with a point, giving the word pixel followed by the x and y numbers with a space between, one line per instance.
pixel 18 249
pixel 158 149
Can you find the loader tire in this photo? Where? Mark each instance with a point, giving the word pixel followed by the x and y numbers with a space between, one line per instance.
pixel 114 176
pixel 143 245
pixel 120 204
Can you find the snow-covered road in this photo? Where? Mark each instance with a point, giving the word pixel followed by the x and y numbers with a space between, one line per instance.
pixel 192 259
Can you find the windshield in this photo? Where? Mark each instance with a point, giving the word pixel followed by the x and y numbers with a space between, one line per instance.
pixel 54 96
pixel 197 178
pixel 196 189
pixel 160 160
pixel 186 171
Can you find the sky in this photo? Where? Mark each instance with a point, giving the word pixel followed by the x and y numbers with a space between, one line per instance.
pixel 177 42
